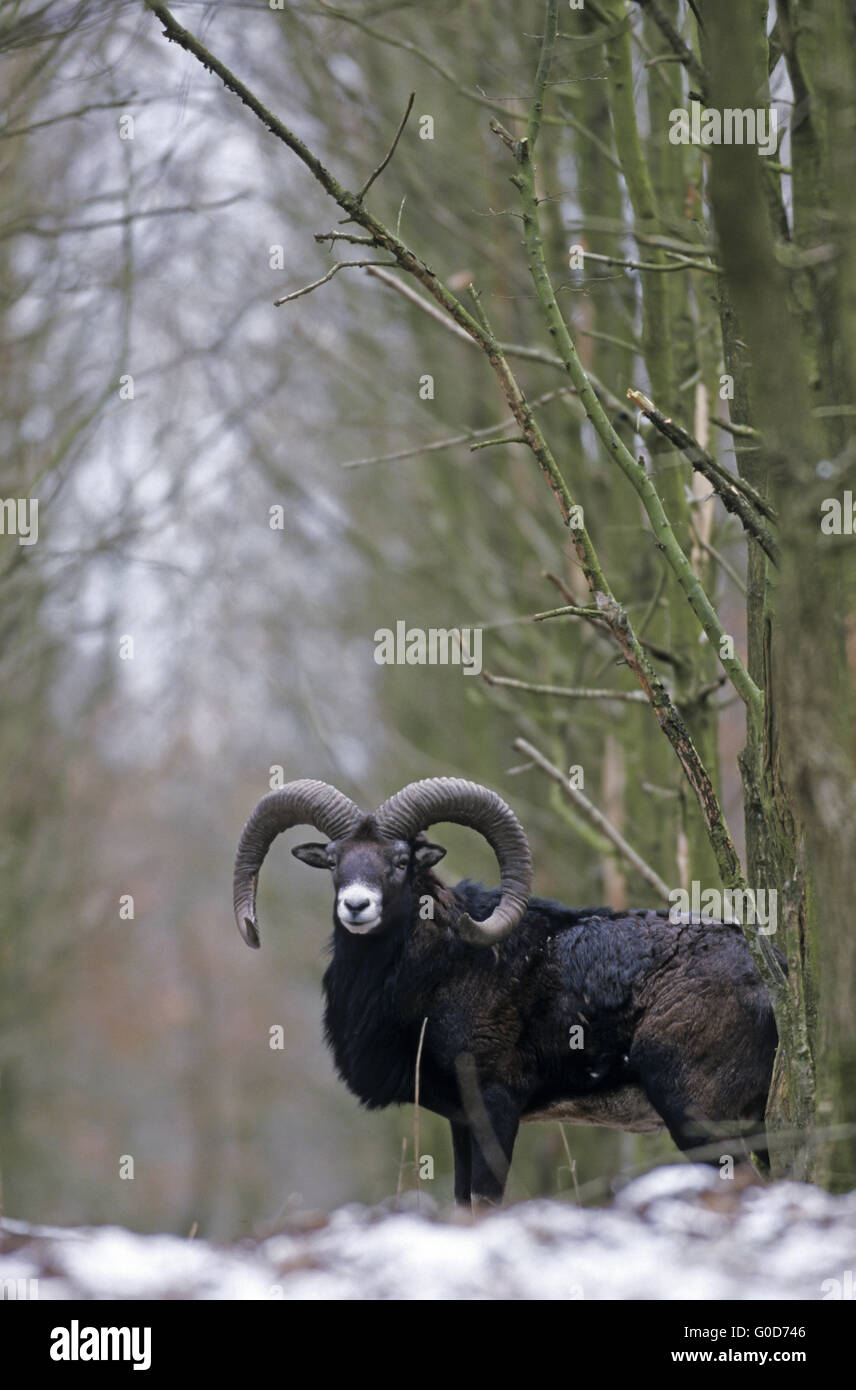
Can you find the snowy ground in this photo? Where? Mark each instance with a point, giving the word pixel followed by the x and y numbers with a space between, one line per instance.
pixel 678 1232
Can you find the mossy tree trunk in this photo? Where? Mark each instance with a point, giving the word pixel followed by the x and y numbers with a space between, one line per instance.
pixel 785 305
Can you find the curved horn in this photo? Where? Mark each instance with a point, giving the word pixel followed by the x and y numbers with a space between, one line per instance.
pixel 436 799
pixel 305 802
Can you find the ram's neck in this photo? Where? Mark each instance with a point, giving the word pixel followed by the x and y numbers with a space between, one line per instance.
pixel 365 985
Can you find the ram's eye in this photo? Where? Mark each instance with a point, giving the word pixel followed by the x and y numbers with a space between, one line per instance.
pixel 402 861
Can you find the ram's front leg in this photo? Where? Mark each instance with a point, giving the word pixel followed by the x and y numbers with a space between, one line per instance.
pixel 493 1131
pixel 462 1150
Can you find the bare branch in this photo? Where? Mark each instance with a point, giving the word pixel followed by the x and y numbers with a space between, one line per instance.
pixel 608 226
pixel 565 692
pixel 421 303
pixel 731 489
pixel 678 262
pixel 719 558
pixel 345 236
pixel 741 431
pixel 505 439
pixel 581 801
pixel 416 1145
pixel 681 50
pixel 9 133
pixel 572 610
pixel 454 439
pixel 124 220
pixel 334 270
pixel 560 585
pixel 507 139
pixel 380 168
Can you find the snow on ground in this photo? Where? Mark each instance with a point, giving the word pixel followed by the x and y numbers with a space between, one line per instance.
pixel 678 1232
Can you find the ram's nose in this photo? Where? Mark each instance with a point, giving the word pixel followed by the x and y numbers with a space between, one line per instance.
pixel 359 908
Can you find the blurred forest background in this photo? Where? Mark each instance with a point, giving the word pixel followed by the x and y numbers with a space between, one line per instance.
pixel 159 406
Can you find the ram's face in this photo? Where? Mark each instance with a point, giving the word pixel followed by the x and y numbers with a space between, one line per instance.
pixel 371 878
pixel 368 879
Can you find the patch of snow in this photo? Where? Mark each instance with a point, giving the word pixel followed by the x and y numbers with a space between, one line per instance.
pixel 679 1232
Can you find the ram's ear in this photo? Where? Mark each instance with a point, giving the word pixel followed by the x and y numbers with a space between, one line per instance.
pixel 427 855
pixel 314 855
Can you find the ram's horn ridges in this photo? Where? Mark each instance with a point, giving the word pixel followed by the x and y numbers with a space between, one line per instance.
pixel 436 799
pixel 304 802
